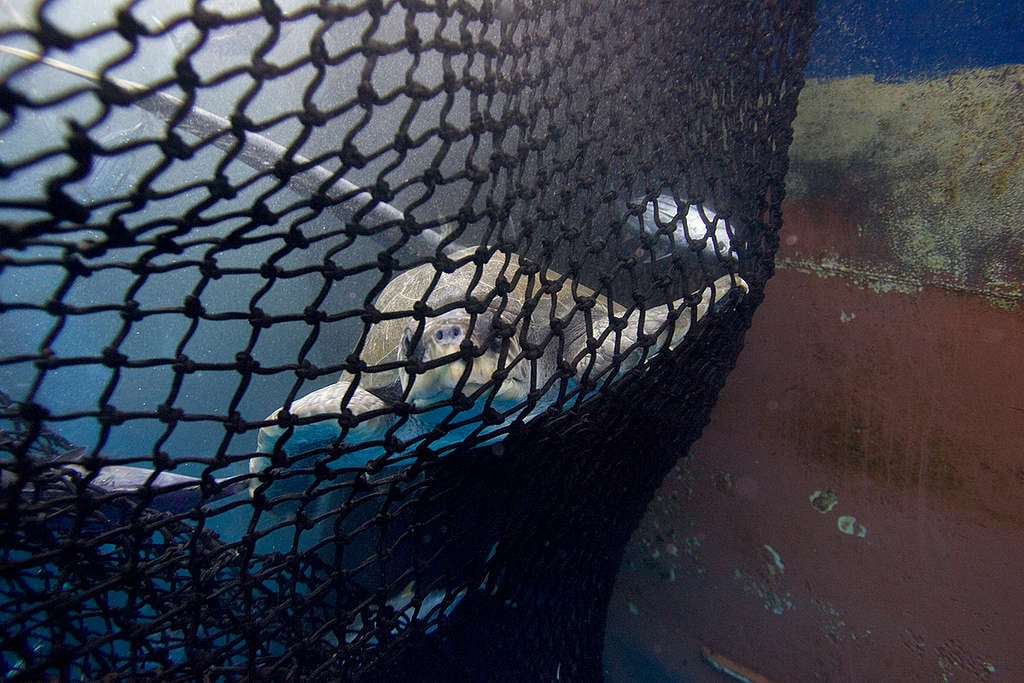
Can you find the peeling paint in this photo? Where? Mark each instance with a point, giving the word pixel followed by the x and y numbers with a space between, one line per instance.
pixel 775 564
pixel 661 545
pixel 999 293
pixel 824 501
pixel 955 658
pixel 774 601
pixel 723 482
pixel 834 625
pixel 849 526
pixel 691 545
pixel 929 172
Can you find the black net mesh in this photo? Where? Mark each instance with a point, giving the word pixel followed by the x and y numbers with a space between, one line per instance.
pixel 348 340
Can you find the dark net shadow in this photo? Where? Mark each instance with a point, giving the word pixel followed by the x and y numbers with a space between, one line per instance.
pixel 350 340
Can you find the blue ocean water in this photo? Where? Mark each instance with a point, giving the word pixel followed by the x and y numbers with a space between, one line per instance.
pixel 903 39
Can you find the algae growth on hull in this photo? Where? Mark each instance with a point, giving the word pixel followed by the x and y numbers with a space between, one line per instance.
pixel 929 174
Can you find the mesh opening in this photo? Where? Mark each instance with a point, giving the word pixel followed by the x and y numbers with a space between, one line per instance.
pixel 349 340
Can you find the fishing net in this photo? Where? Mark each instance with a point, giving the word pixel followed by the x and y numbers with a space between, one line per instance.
pixel 241 241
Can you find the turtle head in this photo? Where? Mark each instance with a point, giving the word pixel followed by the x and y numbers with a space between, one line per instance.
pixel 457 347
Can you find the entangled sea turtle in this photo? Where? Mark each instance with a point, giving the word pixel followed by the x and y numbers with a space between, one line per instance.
pixel 431 362
pixel 461 351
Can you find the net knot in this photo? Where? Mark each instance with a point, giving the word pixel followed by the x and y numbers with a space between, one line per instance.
pixel 382 192
pixel 245 363
pixel 128 27
pixel 355 365
pixel 312 117
pixel 109 416
pixel 313 315
pixel 184 365
pixel 169 415
pixel 221 188
pixel 258 318
pixel 307 370
pixel 351 157
pixel 173 146
pixel 234 423
pixel 365 95
pixel 193 307
pixel 132 311
pixel 113 358
pixel 209 268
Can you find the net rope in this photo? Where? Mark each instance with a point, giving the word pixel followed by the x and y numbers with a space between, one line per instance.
pixel 349 340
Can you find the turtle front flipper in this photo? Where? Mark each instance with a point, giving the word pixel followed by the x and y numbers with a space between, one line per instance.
pixel 299 443
pixel 721 292
pixel 622 350
pixel 321 418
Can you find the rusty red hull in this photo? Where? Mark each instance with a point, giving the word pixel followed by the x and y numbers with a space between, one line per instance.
pixel 855 509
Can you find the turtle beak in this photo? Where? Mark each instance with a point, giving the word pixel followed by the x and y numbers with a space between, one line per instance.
pixel 439 337
pixel 446 335
pixel 443 338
